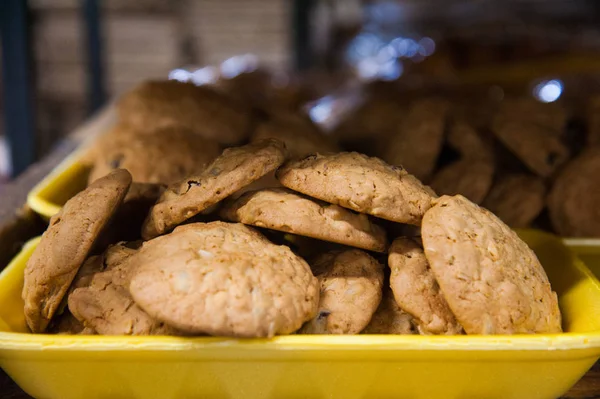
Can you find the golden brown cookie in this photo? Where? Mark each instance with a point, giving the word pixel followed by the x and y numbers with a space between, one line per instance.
pixel 517 199
pixel 358 182
pixel 299 134
pixel 284 210
pixel 469 177
pixel 65 246
pixel 224 279
pixel 154 105
pixel 418 141
pixel 389 318
pixel 542 152
pixel 351 285
pixel 67 324
pixel 102 301
pixel 167 156
pixel 575 197
pixel 234 169
pixel 491 279
pixel 416 290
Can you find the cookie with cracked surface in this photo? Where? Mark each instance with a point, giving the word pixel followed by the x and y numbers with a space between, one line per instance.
pixel 167 156
pixel 234 169
pixel 284 210
pixel 471 178
pixel 351 284
pixel 416 290
pixel 67 324
pixel 210 114
pixel 418 141
pixel 517 199
pixel 102 301
pixel 224 279
pixel 492 281
pixel 389 318
pixel 542 152
pixel 299 134
pixel 575 195
pixel 65 246
pixel 361 183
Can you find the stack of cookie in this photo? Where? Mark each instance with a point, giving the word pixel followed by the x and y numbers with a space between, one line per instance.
pixel 313 261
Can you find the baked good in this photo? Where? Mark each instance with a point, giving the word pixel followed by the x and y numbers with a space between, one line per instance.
pixel 491 279
pixel 65 246
pixel 212 115
pixel 517 199
pixel 351 284
pixel 416 290
pixel 169 155
pixel 284 210
pixel 469 177
pixel 468 142
pixel 224 279
pixel 389 318
pixel 361 183
pixel 418 140
pixel 574 198
pixel 234 169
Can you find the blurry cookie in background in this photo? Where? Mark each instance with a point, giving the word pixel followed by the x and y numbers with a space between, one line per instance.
pixel 208 113
pixel 471 178
pixel 166 156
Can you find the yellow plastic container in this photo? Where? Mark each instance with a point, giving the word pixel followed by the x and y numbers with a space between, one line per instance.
pixel 66 180
pixel 303 366
pixel 588 250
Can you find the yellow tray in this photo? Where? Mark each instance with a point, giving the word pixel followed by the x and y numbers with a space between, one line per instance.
pixel 301 366
pixel 588 250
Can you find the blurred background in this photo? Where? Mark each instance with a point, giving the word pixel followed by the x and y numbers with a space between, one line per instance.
pixel 70 57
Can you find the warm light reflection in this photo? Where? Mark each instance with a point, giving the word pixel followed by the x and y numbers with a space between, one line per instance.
pixel 548 91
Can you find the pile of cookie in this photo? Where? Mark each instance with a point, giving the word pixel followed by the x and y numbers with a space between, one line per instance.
pixel 266 240
pixel 533 164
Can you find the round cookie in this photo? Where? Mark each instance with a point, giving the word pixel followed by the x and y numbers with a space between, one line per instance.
pixel 361 183
pixel 542 152
pixel 212 115
pixel 102 301
pixel 167 156
pixel 416 290
pixel 491 279
pixel 284 210
pixel 234 169
pixel 465 139
pixel 389 318
pixel 300 135
pixel 573 201
pixel 469 177
pixel 351 284
pixel 224 279
pixel 517 199
pixel 418 141
pixel 65 245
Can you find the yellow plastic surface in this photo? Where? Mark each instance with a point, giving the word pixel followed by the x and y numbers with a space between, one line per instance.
pixel 302 366
pixel 588 250
pixel 66 180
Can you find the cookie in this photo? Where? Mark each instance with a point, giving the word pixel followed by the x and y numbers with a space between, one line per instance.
pixel 167 156
pixel 550 116
pixel 517 199
pixel 234 169
pixel 575 195
pixel 67 324
pixel 542 152
pixel 224 279
pixel 102 301
pixel 389 318
pixel 491 279
pixel 416 290
pixel 284 210
pixel 470 177
pixel 419 138
pixel 300 135
pixel 468 142
pixel 351 284
pixel 153 105
pixel 358 182
pixel 593 120
pixel 65 246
